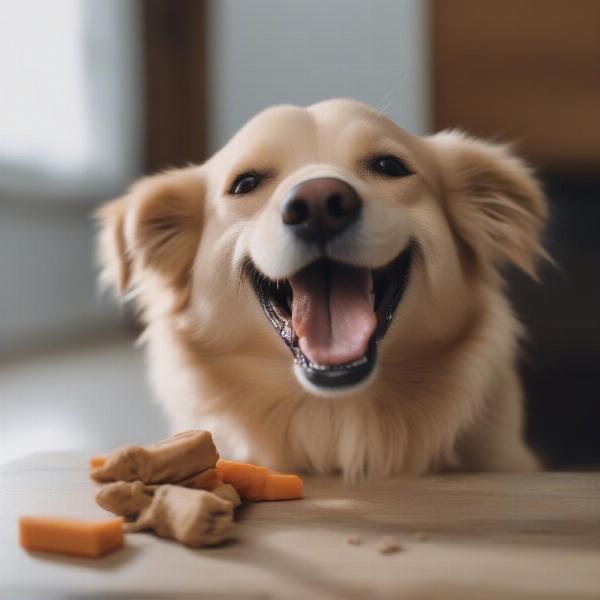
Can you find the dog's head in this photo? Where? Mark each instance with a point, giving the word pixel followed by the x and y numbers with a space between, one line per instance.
pixel 355 238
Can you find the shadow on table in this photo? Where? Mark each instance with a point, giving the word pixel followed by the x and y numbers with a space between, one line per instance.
pixel 111 562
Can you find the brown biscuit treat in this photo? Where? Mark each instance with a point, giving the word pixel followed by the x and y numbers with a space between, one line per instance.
pixel 206 480
pixel 227 492
pixel 129 498
pixel 171 460
pixel 126 499
pixel 193 517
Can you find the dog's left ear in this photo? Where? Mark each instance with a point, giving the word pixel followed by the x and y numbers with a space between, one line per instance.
pixel 494 202
pixel 155 227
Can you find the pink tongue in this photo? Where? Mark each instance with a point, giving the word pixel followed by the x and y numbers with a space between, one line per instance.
pixel 332 313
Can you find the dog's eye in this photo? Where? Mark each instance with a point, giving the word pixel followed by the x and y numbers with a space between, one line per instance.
pixel 245 183
pixel 390 166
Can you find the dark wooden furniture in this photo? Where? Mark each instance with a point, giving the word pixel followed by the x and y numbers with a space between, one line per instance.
pixel 524 71
pixel 175 73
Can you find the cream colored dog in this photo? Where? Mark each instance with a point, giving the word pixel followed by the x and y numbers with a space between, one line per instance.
pixel 325 293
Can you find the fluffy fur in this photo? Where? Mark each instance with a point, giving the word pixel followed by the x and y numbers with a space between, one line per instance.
pixel 446 393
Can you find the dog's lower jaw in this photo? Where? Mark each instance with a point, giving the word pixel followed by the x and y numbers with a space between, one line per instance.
pixel 337 392
pixel 386 286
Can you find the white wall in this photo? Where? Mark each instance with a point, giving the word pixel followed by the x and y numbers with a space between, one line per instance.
pixel 71 90
pixel 70 135
pixel 47 275
pixel 266 52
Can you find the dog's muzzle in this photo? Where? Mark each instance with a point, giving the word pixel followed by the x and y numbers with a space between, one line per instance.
pixel 330 313
pixel 317 210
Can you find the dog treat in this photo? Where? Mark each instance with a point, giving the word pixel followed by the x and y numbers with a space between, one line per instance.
pixel 388 545
pixel 71 536
pixel 171 460
pixel 97 461
pixel 193 517
pixel 247 479
pixel 259 483
pixel 282 487
pixel 130 498
pixel 126 499
pixel 227 492
pixel 206 480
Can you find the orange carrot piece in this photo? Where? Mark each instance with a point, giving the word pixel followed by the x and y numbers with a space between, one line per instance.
pixel 97 461
pixel 71 536
pixel 282 487
pixel 228 467
pixel 259 483
pixel 247 479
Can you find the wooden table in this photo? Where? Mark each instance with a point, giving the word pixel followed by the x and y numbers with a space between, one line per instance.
pixel 487 537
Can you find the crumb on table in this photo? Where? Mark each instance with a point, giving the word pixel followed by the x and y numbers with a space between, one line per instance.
pixel 388 545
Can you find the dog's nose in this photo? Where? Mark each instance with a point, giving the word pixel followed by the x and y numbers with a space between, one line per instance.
pixel 319 209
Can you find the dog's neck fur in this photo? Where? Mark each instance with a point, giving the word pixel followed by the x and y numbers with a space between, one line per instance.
pixel 366 435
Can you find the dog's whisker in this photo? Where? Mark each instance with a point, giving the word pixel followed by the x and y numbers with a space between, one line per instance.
pixel 392 91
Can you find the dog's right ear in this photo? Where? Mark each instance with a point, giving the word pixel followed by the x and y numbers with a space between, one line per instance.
pixel 156 226
pixel 111 248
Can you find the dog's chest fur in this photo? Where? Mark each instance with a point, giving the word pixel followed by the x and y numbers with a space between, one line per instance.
pixel 409 421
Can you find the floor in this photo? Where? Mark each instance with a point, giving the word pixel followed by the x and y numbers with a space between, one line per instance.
pixel 88 396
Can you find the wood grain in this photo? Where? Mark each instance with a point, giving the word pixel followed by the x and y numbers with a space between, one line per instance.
pixel 488 536
pixel 174 50
pixel 521 71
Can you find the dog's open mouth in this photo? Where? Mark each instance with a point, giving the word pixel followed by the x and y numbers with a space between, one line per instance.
pixel 331 315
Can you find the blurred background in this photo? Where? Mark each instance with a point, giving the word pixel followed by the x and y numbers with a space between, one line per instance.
pixel 95 93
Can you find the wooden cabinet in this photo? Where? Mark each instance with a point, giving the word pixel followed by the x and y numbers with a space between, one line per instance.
pixel 521 70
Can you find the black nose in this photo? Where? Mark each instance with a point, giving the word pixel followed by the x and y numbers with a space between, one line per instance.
pixel 319 209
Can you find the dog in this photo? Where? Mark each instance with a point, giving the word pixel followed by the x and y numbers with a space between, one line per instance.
pixel 326 293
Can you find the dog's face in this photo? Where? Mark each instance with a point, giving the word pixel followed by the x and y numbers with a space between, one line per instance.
pixel 358 243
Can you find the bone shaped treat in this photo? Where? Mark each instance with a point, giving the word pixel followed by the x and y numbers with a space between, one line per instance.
pixel 175 459
pixel 126 499
pixel 193 517
pixel 227 492
pixel 129 499
pixel 205 480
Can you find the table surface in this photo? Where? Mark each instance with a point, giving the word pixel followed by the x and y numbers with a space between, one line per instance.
pixel 487 536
